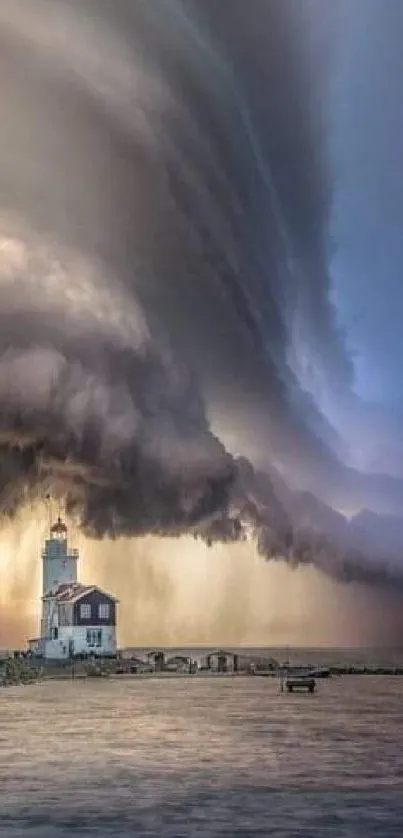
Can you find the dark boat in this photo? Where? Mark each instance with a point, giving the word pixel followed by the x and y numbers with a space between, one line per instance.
pixel 301 683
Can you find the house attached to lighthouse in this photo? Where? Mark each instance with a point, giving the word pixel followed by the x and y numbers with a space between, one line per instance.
pixel 76 619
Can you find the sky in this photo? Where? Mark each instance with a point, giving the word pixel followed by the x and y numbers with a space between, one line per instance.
pixel 367 123
pixel 200 301
pixel 366 127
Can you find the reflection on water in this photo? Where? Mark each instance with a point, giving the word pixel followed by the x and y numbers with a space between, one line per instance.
pixel 202 757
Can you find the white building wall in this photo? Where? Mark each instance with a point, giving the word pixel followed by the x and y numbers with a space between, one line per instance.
pixel 74 639
pixel 50 617
pixel 55 650
pixel 108 646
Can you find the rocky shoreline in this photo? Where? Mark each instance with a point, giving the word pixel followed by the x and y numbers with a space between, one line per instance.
pixel 16 672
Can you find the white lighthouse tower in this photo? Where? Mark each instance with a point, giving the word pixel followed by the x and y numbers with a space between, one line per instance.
pixel 59 567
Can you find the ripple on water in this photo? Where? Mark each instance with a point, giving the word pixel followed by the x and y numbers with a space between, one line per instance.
pixel 201 757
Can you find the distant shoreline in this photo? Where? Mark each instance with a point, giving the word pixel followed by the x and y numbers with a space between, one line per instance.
pixel 68 675
pixel 21 668
pixel 335 672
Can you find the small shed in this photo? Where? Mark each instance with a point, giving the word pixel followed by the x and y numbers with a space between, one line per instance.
pixel 222 661
pixel 178 663
pixel 158 659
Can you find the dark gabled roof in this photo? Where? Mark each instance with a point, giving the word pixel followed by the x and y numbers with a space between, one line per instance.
pixel 73 591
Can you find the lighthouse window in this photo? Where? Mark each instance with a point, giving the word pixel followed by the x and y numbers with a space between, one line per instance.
pixel 103 611
pixel 85 610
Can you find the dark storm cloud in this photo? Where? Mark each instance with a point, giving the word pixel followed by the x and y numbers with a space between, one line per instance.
pixel 185 151
pixel 118 428
pixel 127 137
pixel 164 203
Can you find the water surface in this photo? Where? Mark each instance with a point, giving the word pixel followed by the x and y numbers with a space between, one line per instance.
pixel 201 757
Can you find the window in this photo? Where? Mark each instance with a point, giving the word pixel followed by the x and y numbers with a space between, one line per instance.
pixel 65 616
pixel 103 610
pixel 55 632
pixel 94 637
pixel 85 610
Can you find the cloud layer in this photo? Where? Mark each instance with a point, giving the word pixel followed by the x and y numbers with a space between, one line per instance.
pixel 165 200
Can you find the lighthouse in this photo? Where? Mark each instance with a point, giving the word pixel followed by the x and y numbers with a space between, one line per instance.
pixel 76 619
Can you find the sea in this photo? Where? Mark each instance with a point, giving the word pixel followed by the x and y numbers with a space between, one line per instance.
pixel 205 756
